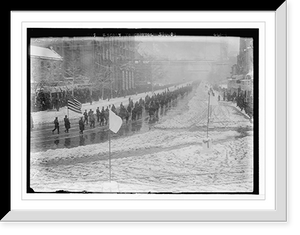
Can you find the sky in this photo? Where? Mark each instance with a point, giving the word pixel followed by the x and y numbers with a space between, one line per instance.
pixel 186 47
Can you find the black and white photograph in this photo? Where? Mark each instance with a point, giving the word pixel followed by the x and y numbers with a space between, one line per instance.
pixel 138 117
pixel 142 111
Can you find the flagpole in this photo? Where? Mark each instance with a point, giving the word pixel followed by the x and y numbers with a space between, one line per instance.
pixel 208 103
pixel 109 155
pixel 68 106
pixel 114 124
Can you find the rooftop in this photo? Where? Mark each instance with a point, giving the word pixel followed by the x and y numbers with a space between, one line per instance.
pixel 44 53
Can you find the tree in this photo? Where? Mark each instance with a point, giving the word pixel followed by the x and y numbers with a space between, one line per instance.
pixel 102 77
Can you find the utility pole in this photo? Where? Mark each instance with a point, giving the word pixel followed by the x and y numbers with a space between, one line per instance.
pixel 73 70
pixel 73 64
pixel 208 104
pixel 110 79
pixel 151 67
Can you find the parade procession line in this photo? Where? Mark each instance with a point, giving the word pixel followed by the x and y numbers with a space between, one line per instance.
pixel 47 117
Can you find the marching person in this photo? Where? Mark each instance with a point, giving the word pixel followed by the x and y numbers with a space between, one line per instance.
pixel 56 126
pixel 86 120
pixel 90 114
pixel 92 119
pixel 102 116
pixel 98 114
pixel 81 126
pixel 113 108
pixel 67 124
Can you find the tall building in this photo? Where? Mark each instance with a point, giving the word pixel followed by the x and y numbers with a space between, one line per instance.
pixel 241 81
pixel 102 62
pixel 245 57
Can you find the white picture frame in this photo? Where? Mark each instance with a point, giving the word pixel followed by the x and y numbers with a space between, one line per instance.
pixel 269 206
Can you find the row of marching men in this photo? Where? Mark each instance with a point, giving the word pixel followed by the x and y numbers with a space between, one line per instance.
pixel 132 110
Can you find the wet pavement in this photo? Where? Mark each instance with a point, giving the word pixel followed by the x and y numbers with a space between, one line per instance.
pixel 43 139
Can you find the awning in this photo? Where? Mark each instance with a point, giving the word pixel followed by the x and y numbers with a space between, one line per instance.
pixel 44 53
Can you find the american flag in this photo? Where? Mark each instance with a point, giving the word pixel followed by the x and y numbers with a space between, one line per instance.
pixel 74 105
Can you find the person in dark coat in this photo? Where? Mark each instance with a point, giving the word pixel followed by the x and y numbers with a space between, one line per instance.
pixel 81 125
pixel 86 120
pixel 90 114
pixel 98 114
pixel 92 119
pixel 56 126
pixel 133 114
pixel 113 108
pixel 102 116
pixel 67 124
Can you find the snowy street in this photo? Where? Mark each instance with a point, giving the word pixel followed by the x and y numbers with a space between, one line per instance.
pixel 43 139
pixel 167 156
pixel 43 118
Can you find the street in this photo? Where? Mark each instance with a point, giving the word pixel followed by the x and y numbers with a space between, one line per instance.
pixel 43 139
pixel 164 155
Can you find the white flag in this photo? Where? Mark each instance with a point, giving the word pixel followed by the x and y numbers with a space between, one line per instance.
pixel 115 122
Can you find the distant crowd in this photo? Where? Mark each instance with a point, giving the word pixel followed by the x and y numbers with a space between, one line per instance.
pixel 43 100
pixel 241 101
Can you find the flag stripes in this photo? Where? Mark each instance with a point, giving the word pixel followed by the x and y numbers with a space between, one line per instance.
pixel 74 105
pixel 76 102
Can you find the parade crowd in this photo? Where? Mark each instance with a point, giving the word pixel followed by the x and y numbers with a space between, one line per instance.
pixel 133 111
pixel 241 101
pixel 44 100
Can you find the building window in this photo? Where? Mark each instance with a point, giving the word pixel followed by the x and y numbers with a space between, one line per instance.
pixel 48 65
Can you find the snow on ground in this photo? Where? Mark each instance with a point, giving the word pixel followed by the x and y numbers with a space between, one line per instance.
pixel 158 160
pixel 149 140
pixel 221 114
pixel 173 166
pixel 48 116
pixel 170 158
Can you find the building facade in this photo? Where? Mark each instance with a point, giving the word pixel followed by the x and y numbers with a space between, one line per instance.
pixel 241 80
pixel 45 65
pixel 107 62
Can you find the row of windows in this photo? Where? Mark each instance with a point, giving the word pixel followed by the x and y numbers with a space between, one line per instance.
pixel 117 44
pixel 50 65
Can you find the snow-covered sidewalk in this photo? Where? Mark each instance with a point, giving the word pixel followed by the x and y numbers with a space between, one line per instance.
pixel 154 161
pixel 169 159
pixel 220 115
pixel 48 116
